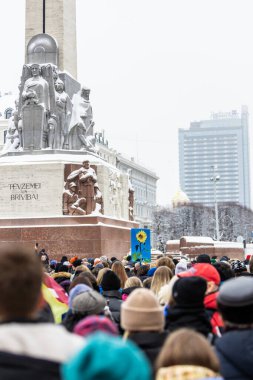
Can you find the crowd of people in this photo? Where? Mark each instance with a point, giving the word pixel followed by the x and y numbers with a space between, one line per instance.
pixel 105 318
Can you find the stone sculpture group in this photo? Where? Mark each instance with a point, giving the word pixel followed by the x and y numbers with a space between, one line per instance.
pixel 47 116
pixel 82 195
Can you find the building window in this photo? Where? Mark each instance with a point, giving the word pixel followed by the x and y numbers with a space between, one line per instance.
pixel 8 113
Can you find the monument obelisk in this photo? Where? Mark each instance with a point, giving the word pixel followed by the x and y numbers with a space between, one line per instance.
pixel 58 19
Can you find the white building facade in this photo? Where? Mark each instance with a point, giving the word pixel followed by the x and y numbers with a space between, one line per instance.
pixel 143 181
pixel 219 145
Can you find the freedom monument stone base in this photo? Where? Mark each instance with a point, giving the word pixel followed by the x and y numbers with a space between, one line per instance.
pixel 32 204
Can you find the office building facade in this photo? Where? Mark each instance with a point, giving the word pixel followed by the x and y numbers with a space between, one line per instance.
pixel 216 147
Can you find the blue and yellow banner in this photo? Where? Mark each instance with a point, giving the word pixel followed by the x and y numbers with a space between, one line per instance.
pixel 141 244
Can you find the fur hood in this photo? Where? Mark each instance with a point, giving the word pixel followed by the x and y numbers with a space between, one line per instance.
pixel 60 274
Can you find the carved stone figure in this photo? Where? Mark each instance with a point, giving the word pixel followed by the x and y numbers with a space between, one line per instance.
pixel 37 101
pixel 64 111
pixel 115 192
pixel 12 137
pixel 72 204
pixel 130 197
pixel 81 125
pixel 49 136
pixel 86 180
pixel 36 89
pixel 99 207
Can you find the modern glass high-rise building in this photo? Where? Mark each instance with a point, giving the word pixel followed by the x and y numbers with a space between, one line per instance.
pixel 221 143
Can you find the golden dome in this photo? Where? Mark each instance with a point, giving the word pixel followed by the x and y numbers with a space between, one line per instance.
pixel 180 198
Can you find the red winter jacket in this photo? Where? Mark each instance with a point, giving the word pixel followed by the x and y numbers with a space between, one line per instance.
pixel 210 303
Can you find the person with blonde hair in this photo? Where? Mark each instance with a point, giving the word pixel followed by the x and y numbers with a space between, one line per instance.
pixel 162 276
pixel 165 293
pixel 119 270
pixel 100 275
pixel 187 355
pixel 131 284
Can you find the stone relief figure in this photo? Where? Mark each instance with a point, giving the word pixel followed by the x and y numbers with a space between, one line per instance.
pixel 99 203
pixel 72 204
pixel 81 124
pixel 86 180
pixel 36 104
pixel 64 111
pixel 36 89
pixel 115 192
pixel 49 136
pixel 12 137
pixel 130 197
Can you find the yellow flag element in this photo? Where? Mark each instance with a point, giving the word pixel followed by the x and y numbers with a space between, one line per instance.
pixel 58 308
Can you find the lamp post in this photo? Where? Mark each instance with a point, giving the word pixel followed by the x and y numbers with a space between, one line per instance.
pixel 215 178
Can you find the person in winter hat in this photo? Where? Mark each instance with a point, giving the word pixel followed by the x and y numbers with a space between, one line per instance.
pixel 204 258
pixel 181 266
pixel 78 289
pixel 84 304
pixel 187 308
pixel 212 277
pixel 235 347
pixel 105 357
pixel 110 286
pixel 238 267
pixel 143 321
pixel 187 355
pixel 94 324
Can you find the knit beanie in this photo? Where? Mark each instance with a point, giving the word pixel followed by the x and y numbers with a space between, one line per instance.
pixel 78 289
pixel 189 292
pixel 142 312
pixel 181 266
pixel 95 323
pixel 88 303
pixel 105 357
pixel 110 281
pixel 204 258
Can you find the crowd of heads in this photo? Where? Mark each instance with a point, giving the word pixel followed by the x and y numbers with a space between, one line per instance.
pixel 169 319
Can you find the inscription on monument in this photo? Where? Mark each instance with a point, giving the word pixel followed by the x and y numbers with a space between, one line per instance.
pixel 24 191
pixel 31 189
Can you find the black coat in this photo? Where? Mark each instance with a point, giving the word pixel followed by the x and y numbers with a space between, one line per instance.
pixel 150 343
pixel 13 367
pixel 114 301
pixel 194 318
pixel 235 352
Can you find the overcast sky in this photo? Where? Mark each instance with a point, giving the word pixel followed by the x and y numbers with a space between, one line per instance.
pixel 153 66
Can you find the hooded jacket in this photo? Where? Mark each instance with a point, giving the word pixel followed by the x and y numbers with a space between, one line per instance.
pixel 235 352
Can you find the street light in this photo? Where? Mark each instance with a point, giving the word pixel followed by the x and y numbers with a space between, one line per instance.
pixel 215 178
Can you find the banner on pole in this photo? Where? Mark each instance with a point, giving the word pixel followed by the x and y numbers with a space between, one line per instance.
pixel 141 244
